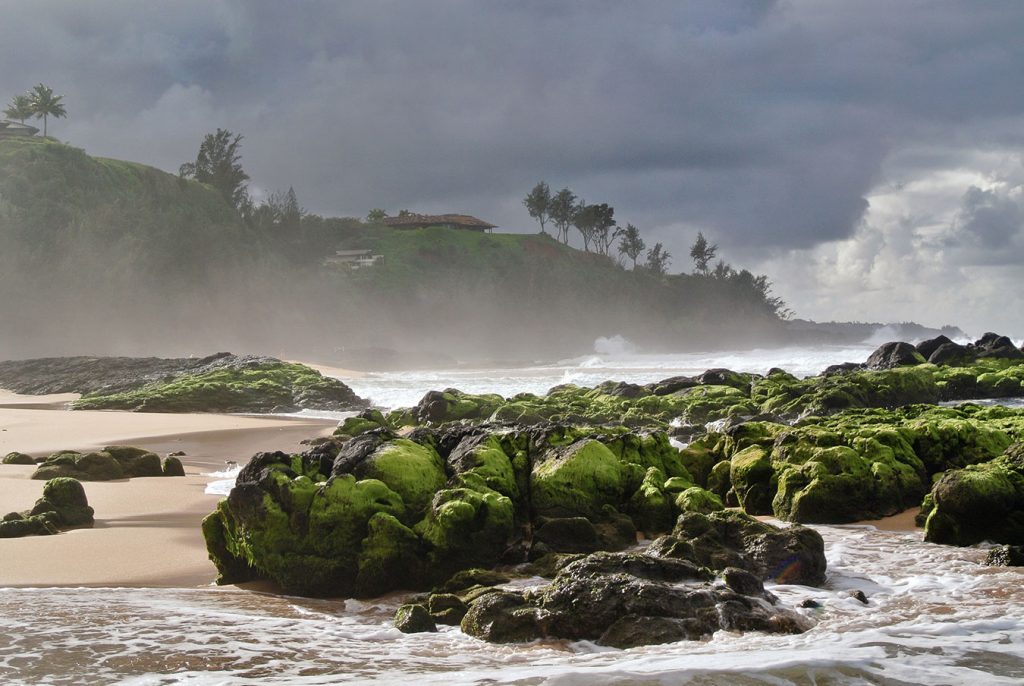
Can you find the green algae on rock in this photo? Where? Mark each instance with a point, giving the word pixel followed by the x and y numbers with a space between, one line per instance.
pixel 379 512
pixel 62 506
pixel 981 502
pixel 262 385
pixel 111 463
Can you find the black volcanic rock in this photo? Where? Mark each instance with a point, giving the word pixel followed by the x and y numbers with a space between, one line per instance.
pixel 895 354
pixel 998 346
pixel 629 599
pixel 951 354
pixel 926 348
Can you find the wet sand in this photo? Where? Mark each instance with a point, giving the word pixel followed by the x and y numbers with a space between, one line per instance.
pixel 147 530
pixel 904 521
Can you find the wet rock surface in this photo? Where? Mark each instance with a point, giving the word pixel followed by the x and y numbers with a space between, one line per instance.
pixel 630 599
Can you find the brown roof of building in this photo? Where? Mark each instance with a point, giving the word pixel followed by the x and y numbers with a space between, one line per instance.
pixel 438 220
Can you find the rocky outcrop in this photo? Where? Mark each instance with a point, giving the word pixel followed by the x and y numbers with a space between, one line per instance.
pixel 895 375
pixel 625 600
pixel 981 502
pixel 1005 556
pixel 890 355
pixel 110 463
pixel 62 506
pixel 218 383
pixel 17 458
pixel 385 512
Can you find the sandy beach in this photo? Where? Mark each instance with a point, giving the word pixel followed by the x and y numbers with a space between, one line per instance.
pixel 147 529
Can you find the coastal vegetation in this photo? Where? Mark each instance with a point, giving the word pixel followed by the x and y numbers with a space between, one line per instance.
pixel 79 234
pixel 41 102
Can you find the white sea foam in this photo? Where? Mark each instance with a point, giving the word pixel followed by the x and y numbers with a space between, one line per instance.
pixel 934 615
pixel 224 481
pixel 406 388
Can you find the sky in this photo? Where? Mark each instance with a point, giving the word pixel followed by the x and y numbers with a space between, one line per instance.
pixel 866 155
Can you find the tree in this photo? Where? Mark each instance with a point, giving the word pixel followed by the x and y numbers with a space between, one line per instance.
pixel 280 212
pixel 702 253
pixel 20 109
pixel 723 271
pixel 631 245
pixel 658 259
pixel 584 218
pixel 376 215
pixel 538 203
pixel 45 104
pixel 603 218
pixel 219 164
pixel 285 209
pixel 561 211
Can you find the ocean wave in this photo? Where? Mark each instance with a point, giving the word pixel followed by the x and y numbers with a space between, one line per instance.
pixel 934 615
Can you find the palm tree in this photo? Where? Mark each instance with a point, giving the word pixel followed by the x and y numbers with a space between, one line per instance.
pixel 45 104
pixel 20 109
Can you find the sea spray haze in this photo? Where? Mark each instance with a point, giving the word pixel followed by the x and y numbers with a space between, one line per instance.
pixel 170 266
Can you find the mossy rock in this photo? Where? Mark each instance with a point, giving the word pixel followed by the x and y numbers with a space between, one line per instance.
pixel 93 466
pixel 16 525
pixel 750 472
pixel 465 528
pixel 446 608
pixel 578 480
pixel 485 457
pixel 258 386
pixel 17 458
pixel 651 508
pixel 414 619
pixel 413 471
pixel 697 499
pixel 172 466
pixel 980 502
pixel 391 557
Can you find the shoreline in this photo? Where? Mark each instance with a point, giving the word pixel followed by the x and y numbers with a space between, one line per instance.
pixel 147 531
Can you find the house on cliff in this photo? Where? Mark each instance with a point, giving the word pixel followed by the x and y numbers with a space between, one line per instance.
pixel 13 129
pixel 354 259
pixel 447 221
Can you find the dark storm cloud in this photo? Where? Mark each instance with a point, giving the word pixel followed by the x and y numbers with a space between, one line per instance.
pixel 765 124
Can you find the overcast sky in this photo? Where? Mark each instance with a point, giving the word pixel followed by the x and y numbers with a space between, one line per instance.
pixel 866 155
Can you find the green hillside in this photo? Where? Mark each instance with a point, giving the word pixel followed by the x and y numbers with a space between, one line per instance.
pixel 100 255
pixel 504 293
pixel 59 205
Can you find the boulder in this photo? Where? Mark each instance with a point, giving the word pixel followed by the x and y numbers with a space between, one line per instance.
pixel 1005 556
pixel 172 466
pixel 981 502
pixel 17 458
pixel 92 466
pixel 996 346
pixel 577 481
pixel 625 600
pixel 896 354
pixel 17 525
pixel 65 497
pixel 728 538
pixel 926 348
pixel 446 608
pixel 412 619
pixel 952 354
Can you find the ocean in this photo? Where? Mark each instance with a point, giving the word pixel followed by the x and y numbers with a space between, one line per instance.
pixel 934 615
